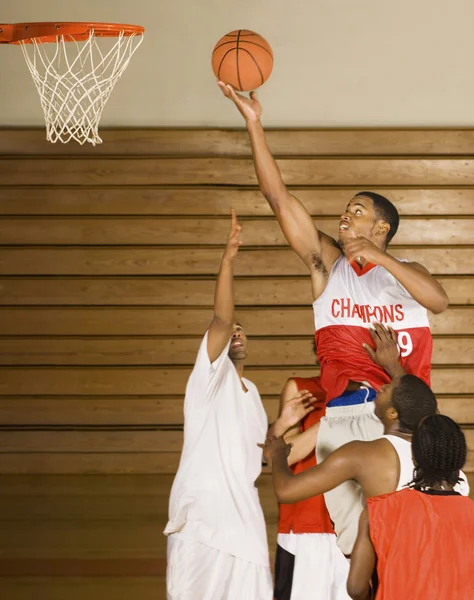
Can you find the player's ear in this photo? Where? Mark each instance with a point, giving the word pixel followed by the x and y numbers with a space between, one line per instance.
pixel 391 413
pixel 381 228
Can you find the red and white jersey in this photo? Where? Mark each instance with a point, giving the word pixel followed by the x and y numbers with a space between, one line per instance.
pixel 354 298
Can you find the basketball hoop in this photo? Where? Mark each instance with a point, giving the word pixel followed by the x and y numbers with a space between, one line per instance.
pixel 74 81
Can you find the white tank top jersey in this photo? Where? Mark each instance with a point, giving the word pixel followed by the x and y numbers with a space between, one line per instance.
pixel 353 300
pixel 407 466
pixel 214 500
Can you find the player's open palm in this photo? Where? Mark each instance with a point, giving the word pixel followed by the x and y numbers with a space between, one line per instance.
pixel 233 241
pixel 297 408
pixel 250 108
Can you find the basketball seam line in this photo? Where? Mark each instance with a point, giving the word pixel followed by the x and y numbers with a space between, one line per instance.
pixel 243 42
pixel 222 60
pixel 237 59
pixel 256 64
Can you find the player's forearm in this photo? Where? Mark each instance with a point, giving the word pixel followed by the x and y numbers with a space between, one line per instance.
pixel 282 477
pixel 224 293
pixel 268 173
pixel 424 288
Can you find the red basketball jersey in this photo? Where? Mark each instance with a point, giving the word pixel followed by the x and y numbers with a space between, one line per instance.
pixel 311 515
pixel 355 298
pixel 424 545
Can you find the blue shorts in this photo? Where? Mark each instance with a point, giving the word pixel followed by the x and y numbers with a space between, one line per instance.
pixel 365 394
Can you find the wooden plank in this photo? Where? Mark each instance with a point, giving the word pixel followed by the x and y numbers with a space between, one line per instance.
pixel 92 410
pixel 182 351
pixel 158 291
pixel 203 232
pixel 112 464
pixel 144 200
pixel 74 442
pixel 80 587
pixel 425 172
pixel 80 486
pixel 280 321
pixel 197 261
pixel 94 539
pixel 155 381
pixel 88 463
pixel 148 411
pixel 198 142
pixel 91 441
pixel 67 507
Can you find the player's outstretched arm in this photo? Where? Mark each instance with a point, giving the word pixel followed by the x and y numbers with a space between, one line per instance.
pixel 362 562
pixel 222 323
pixel 340 466
pixel 296 223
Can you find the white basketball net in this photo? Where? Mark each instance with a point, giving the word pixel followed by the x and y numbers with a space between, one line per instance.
pixel 74 81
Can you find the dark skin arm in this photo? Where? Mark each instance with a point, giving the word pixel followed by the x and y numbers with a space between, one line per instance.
pixel 341 465
pixel 363 559
pixel 222 323
pixel 417 280
pixel 316 249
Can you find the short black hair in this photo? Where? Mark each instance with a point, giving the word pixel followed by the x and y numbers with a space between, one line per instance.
pixel 413 400
pixel 439 451
pixel 384 210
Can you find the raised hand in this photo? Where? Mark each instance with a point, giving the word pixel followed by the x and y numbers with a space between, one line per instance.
pixel 249 108
pixel 363 250
pixel 233 241
pixel 296 409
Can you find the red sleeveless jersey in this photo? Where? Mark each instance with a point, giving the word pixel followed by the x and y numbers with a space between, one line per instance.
pixel 424 545
pixel 355 298
pixel 311 515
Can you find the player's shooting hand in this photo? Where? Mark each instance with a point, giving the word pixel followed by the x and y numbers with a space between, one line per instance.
pixel 296 409
pixel 386 351
pixel 233 241
pixel 363 250
pixel 249 108
pixel 273 445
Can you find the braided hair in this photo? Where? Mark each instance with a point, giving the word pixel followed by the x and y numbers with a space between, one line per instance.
pixel 439 451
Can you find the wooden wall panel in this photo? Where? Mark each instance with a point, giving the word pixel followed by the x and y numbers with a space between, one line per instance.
pixel 187 320
pixel 132 261
pixel 216 200
pixel 199 142
pixel 154 350
pixel 108 258
pixel 392 171
pixel 166 291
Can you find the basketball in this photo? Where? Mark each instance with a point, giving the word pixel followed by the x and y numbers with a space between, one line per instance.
pixel 243 59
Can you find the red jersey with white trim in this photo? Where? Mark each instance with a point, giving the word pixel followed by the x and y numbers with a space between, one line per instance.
pixel 355 298
pixel 311 515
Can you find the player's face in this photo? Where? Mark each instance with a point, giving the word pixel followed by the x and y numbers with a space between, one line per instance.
pixel 358 220
pixel 382 400
pixel 238 344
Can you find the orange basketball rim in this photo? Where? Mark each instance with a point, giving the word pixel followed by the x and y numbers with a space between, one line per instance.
pixel 74 81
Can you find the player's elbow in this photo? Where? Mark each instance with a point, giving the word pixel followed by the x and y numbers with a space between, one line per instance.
pixel 440 303
pixel 283 493
pixel 356 589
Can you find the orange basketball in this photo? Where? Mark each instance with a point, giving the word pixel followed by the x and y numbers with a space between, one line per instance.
pixel 243 59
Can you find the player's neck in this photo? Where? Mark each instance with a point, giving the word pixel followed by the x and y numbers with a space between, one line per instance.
pixel 399 431
pixel 239 366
